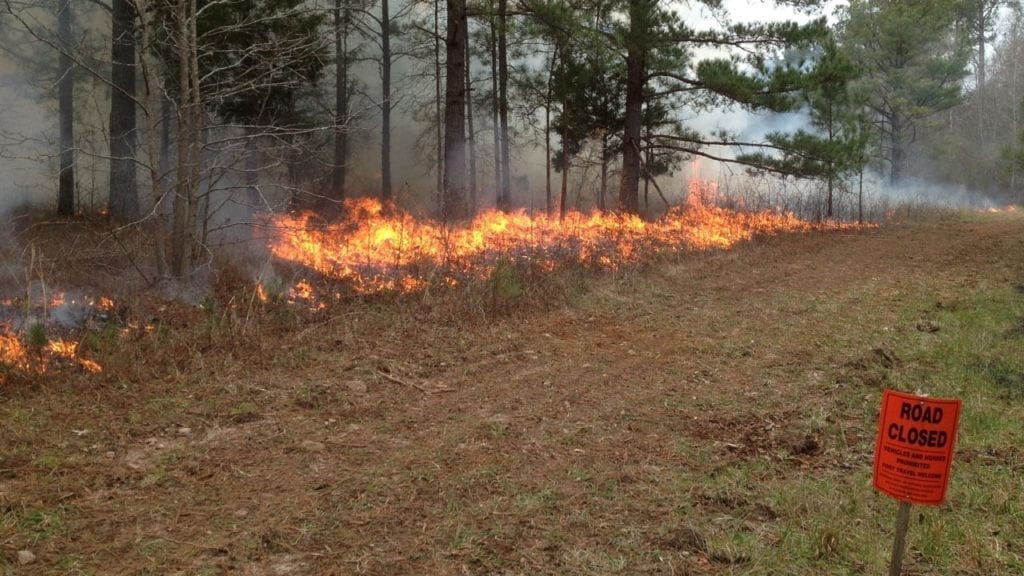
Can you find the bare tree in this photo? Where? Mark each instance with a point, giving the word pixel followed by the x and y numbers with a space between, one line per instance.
pixel 342 24
pixel 123 200
pixel 66 105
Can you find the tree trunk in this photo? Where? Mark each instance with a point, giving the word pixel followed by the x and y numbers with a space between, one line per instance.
pixel 179 228
pixel 437 99
pixel 66 104
pixel 156 149
pixel 164 207
pixel 505 196
pixel 123 199
pixel 495 121
pixel 980 92
pixel 453 199
pixel 648 160
pixel 860 196
pixel 547 136
pixel 564 192
pixel 980 39
pixel 339 169
pixel 1014 135
pixel 385 72
pixel 196 120
pixel 547 156
pixel 604 173
pixel 470 135
pixel 830 169
pixel 185 205
pixel 629 189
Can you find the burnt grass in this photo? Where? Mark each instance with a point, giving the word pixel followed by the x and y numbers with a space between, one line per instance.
pixel 634 423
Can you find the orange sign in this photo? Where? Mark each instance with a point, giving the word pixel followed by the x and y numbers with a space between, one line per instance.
pixel 914 452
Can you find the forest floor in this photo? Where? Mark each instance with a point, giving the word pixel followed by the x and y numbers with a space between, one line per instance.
pixel 713 414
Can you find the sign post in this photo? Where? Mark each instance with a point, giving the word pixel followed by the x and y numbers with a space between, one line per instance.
pixel 900 541
pixel 913 455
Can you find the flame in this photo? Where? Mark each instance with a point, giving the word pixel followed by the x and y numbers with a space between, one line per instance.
pixel 303 292
pixel 16 354
pixel 12 353
pixel 700 192
pixel 1010 208
pixel 376 250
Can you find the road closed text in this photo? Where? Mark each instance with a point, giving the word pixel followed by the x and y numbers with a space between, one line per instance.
pixel 910 431
pixel 916 438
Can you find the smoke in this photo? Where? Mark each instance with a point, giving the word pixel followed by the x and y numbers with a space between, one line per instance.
pixel 24 160
pixel 919 191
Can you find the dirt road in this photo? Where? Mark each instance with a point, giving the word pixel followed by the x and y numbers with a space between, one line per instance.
pixel 661 422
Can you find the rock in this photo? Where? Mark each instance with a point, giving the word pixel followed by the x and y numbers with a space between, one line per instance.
pixel 184 431
pixel 927 326
pixel 26 557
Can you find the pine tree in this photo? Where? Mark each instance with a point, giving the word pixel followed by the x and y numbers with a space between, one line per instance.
pixel 914 62
pixel 836 111
pixel 658 47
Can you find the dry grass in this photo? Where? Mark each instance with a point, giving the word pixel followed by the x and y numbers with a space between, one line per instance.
pixel 712 415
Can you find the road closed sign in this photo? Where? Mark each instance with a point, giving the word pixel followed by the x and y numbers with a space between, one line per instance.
pixel 914 452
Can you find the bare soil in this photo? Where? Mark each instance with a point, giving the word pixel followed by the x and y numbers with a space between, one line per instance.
pixel 596 436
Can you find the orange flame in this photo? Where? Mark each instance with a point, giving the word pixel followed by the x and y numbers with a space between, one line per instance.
pixel 12 352
pixel 376 252
pixel 16 355
pixel 1007 209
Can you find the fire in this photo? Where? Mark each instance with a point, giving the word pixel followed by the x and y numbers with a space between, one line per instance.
pixel 14 354
pixel 303 292
pixel 27 340
pixel 700 192
pixel 375 251
pixel 1011 208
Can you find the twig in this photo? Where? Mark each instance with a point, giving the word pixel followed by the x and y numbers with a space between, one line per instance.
pixel 396 380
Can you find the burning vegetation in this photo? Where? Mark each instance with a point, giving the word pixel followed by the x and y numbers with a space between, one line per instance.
pixel 36 335
pixel 375 250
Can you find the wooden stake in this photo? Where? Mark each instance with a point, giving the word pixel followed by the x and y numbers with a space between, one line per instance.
pixel 902 522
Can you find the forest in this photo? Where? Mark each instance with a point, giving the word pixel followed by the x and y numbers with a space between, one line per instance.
pixel 510 287
pixel 190 118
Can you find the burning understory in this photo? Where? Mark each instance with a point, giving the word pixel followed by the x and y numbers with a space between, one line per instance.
pixel 374 250
pixel 36 332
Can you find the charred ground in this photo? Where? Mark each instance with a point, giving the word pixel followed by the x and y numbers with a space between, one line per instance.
pixel 713 414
